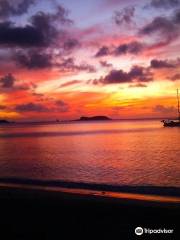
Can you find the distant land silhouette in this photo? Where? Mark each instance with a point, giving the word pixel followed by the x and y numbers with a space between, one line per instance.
pixel 94 118
pixel 83 118
pixel 3 121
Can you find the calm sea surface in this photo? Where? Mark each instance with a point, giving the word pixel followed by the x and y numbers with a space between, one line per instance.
pixel 114 152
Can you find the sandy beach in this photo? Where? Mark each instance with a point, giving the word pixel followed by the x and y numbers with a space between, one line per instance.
pixel 29 212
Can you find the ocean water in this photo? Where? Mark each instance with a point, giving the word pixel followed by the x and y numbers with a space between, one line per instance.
pixel 114 152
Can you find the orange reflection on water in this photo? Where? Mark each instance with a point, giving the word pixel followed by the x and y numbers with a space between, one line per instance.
pixel 141 153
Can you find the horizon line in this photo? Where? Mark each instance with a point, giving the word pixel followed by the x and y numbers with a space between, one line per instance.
pixel 74 120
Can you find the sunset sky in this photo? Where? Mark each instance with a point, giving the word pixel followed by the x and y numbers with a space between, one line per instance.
pixel 66 59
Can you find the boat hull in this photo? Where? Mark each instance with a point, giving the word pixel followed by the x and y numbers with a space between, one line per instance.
pixel 171 124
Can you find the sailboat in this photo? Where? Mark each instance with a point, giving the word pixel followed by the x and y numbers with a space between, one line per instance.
pixel 174 123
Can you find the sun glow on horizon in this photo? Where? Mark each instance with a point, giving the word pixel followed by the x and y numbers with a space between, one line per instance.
pixel 122 62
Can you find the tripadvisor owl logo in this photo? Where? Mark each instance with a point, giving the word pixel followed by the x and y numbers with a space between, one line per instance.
pixel 139 231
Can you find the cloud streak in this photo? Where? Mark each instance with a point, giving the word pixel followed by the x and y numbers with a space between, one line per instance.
pixel 31 107
pixel 70 83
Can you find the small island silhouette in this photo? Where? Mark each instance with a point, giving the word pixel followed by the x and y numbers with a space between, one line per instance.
pixel 3 121
pixel 94 118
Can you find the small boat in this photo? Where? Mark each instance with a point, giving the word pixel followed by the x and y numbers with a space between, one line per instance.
pixel 173 123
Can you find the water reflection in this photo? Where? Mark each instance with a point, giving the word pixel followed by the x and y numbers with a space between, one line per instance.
pixel 123 153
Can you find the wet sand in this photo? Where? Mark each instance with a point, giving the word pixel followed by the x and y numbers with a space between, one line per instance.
pixel 44 212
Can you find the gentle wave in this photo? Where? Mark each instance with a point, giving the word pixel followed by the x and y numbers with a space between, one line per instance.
pixel 115 153
pixel 72 133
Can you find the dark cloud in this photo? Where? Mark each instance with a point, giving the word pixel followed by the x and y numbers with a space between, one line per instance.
pixel 48 24
pixel 42 42
pixel 71 44
pixel 140 74
pixel 33 60
pixel 31 107
pixel 124 16
pixel 175 77
pixel 62 106
pixel 161 24
pixel 103 51
pixel 69 64
pixel 138 85
pixel 137 74
pixel 40 60
pixel 41 31
pixel 105 64
pixel 28 36
pixel 167 28
pixel 116 76
pixel 165 3
pixel 47 20
pixel 40 95
pixel 163 109
pixel 132 48
pixel 84 67
pixel 70 83
pixel 161 64
pixel 7 81
pixel 14 7
pixel 122 49
pixel 176 17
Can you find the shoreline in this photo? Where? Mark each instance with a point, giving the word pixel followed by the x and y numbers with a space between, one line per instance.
pixel 46 212
pixel 131 197
pixel 101 187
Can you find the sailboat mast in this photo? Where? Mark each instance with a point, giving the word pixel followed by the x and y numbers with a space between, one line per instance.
pixel 178 104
